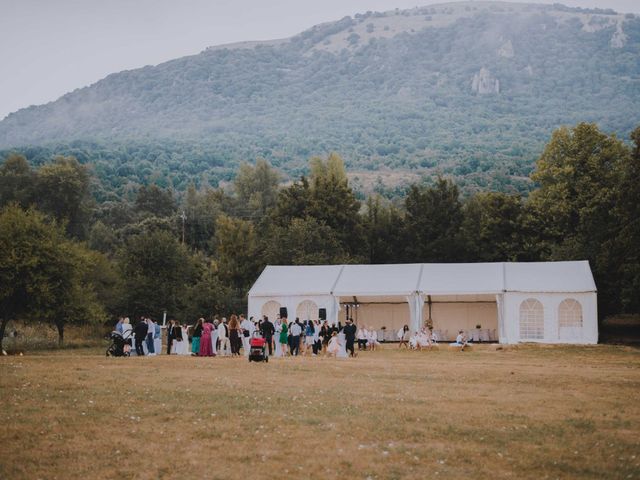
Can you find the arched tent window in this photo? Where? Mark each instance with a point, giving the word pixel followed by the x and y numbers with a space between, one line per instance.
pixel 569 320
pixel 271 309
pixel 307 310
pixel 531 320
pixel 570 313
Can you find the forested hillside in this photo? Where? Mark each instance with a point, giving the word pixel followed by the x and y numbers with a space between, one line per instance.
pixel 64 258
pixel 471 90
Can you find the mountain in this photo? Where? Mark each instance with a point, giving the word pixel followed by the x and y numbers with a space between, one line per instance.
pixel 470 89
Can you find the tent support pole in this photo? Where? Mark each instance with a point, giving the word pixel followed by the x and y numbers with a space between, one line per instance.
pixel 429 302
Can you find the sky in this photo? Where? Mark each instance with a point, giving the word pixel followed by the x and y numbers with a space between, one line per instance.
pixel 51 47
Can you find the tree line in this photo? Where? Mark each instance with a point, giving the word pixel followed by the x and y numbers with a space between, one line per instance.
pixel 67 258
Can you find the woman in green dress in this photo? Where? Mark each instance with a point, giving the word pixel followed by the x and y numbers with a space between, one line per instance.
pixel 284 338
pixel 195 338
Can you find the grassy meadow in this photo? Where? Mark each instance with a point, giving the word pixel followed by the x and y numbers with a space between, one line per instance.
pixel 521 412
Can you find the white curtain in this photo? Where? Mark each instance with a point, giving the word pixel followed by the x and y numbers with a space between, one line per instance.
pixel 501 327
pixel 333 315
pixel 416 303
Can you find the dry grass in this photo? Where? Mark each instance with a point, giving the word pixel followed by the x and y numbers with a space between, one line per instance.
pixel 44 336
pixel 528 412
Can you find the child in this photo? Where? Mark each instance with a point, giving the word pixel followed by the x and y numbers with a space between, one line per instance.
pixel 372 341
pixel 334 345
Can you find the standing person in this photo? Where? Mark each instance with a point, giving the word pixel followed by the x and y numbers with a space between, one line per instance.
pixel 214 335
pixel 126 334
pixel 403 336
pixel 372 341
pixel 277 329
pixel 234 335
pixel 289 339
pixel 223 337
pixel 118 327
pixel 247 330
pixel 195 338
pixel 141 335
pixel 151 331
pixel 317 343
pixel 157 338
pixel 267 330
pixel 309 336
pixel 182 341
pixel 171 335
pixel 205 340
pixel 350 336
pixel 284 337
pixel 325 333
pixel 334 345
pixel 296 331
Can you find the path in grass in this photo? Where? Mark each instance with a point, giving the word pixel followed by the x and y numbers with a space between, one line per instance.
pixel 530 412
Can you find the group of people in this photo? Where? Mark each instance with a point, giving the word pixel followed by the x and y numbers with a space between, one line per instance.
pixel 230 337
pixel 282 337
pixel 147 333
pixel 423 338
pixel 426 338
pixel 367 338
pixel 220 336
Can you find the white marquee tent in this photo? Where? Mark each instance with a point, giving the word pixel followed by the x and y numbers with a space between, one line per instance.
pixel 547 302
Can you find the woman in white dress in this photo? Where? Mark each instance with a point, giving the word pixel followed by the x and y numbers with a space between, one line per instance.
pixel 181 347
pixel 423 339
pixel 372 341
pixel 278 328
pixel 127 335
pixel 333 349
pixel 214 335
pixel 342 342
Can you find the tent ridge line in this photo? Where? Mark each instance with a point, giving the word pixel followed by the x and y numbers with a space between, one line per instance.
pixel 419 278
pixel 504 276
pixel 333 287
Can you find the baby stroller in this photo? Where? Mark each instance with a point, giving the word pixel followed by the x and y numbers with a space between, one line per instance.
pixel 258 348
pixel 118 341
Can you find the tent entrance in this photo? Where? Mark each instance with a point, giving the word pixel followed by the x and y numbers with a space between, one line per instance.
pixel 450 314
pixel 377 312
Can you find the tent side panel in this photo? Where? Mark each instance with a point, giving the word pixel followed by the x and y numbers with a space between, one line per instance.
pixel 452 317
pixel 585 333
pixel 291 302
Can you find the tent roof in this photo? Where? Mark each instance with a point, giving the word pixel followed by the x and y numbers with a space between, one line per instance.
pixel 282 280
pixel 428 278
pixel 371 280
pixel 549 277
pixel 461 278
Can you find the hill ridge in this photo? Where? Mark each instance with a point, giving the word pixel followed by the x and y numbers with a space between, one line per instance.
pixel 468 89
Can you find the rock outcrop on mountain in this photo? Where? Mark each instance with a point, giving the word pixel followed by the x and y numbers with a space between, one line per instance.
pixel 484 83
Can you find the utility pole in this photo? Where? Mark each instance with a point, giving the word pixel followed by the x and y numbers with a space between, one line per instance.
pixel 183 216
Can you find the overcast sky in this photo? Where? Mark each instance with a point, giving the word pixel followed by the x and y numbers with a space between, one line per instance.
pixel 50 47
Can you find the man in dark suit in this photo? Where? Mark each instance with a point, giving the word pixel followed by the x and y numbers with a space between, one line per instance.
pixel 171 334
pixel 267 330
pixel 141 334
pixel 350 336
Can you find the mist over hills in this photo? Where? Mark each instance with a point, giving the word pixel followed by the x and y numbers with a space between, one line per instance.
pixel 470 89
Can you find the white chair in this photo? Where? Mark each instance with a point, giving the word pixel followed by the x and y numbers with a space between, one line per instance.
pixel 484 335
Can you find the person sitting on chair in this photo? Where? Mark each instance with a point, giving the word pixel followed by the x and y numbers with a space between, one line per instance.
pixel 461 341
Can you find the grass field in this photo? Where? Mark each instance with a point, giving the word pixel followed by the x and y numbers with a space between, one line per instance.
pixel 526 412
